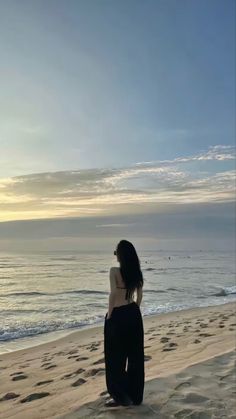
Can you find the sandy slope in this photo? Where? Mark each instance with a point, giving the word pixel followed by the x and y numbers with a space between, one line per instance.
pixel 188 371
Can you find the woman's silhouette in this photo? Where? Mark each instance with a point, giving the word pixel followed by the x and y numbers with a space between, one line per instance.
pixel 123 330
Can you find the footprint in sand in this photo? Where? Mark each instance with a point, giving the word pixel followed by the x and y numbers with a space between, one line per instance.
pixel 194 398
pixel 93 345
pixel 17 373
pixel 45 364
pixel 206 335
pixel 151 338
pixel 60 353
pixel 79 371
pixel 78 382
pixel 41 383
pixel 34 396
pixel 226 377
pixel 82 358
pixel 103 393
pixel 203 325
pixel 72 356
pixel 224 317
pixel 197 341
pixel 73 351
pixel 147 357
pixel 152 329
pixel 164 339
pixel 184 413
pixel 94 371
pixel 72 374
pixel 66 376
pixel 171 347
pixel 183 385
pixel 19 377
pixel 99 361
pixel 50 366
pixel 9 396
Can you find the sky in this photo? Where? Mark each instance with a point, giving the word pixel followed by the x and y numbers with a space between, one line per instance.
pixel 117 119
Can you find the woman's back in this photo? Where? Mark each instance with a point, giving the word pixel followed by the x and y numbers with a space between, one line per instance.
pixel 120 293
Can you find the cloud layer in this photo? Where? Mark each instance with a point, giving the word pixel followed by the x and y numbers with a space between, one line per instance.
pixel 207 177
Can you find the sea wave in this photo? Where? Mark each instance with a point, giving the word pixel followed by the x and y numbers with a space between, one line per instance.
pixel 65 258
pixel 167 308
pixel 85 292
pixel 154 291
pixel 38 293
pixel 29 293
pixel 9 333
pixel 6 284
pixel 29 330
pixel 225 291
pixel 174 289
pixel 10 265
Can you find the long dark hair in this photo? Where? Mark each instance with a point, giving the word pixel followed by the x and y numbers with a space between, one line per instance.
pixel 129 266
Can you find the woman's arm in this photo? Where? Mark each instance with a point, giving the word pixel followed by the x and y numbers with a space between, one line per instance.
pixel 112 292
pixel 139 295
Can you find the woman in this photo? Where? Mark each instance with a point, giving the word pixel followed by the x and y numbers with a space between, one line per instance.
pixel 123 330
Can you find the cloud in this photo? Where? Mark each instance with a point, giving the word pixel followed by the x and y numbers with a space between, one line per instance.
pixel 136 189
pixel 216 152
pixel 115 225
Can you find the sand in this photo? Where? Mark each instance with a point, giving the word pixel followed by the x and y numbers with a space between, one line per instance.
pixel 189 371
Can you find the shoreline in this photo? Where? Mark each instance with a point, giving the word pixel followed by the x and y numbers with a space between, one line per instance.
pixel 64 377
pixel 50 337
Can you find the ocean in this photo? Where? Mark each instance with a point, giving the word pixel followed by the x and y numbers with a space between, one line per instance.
pixel 48 294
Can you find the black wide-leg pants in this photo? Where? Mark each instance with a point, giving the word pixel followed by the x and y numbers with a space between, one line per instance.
pixel 124 354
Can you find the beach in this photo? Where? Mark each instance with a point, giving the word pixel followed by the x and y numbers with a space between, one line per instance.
pixel 117 186
pixel 189 371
